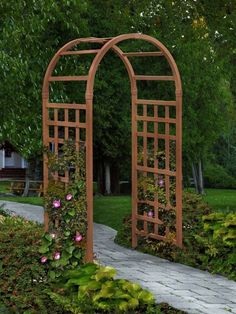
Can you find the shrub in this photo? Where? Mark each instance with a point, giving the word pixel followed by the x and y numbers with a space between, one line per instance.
pixel 218 243
pixel 93 289
pixel 22 278
pixel 215 176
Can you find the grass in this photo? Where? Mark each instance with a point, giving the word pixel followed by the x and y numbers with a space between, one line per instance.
pixel 221 199
pixel 4 186
pixel 33 200
pixel 110 210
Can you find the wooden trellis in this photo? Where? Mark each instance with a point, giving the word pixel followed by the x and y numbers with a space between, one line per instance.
pixel 156 150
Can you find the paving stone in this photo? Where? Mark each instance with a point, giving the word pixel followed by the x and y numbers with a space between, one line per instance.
pixel 192 290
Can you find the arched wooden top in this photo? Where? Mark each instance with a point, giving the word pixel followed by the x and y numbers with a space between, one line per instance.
pixel 107 44
pixel 114 41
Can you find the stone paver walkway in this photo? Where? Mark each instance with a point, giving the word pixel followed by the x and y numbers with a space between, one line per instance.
pixel 183 287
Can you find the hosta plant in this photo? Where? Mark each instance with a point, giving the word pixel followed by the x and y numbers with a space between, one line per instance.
pixel 93 289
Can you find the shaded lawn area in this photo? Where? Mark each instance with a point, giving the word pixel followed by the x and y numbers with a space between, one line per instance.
pixel 110 210
pixel 4 186
pixel 221 199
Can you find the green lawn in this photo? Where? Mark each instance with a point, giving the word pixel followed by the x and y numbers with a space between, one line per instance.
pixel 221 199
pixel 110 210
pixel 4 186
pixel 34 200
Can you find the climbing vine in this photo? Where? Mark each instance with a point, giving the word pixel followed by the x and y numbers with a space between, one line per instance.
pixel 150 186
pixel 64 245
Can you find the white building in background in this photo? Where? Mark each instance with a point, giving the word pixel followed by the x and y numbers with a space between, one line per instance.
pixel 11 163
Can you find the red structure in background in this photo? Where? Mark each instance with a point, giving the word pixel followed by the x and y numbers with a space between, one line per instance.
pixel 147 210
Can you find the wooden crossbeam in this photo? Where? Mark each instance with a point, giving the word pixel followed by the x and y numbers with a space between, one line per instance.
pixel 153 204
pixel 143 54
pixel 68 78
pixel 66 106
pixel 95 39
pixel 153 119
pixel 154 78
pixel 67 124
pixel 156 102
pixel 149 219
pixel 153 135
pixel 152 235
pixel 158 171
pixel 79 52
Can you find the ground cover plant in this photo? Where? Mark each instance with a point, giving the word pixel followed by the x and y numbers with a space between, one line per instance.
pixel 105 294
pixel 209 238
pixel 22 276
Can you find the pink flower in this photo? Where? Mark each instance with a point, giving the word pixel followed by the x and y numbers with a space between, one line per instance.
pixel 150 214
pixel 57 255
pixel 161 183
pixel 56 203
pixel 69 197
pixel 43 259
pixel 78 238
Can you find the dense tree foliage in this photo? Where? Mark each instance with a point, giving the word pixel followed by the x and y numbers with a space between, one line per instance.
pixel 200 36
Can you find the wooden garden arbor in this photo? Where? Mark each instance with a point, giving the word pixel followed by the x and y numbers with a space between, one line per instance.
pixel 147 209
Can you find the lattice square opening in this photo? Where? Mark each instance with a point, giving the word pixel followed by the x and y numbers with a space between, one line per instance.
pixel 71 115
pixel 140 110
pixel 150 126
pixel 150 111
pixel 172 112
pixel 140 225
pixel 72 134
pixel 82 135
pixel 150 152
pixel 173 191
pixel 140 126
pixel 161 128
pixel 172 155
pixel 51 147
pixel 172 129
pixel 51 132
pixel 51 114
pixel 82 116
pixel 61 132
pixel 161 111
pixel 61 114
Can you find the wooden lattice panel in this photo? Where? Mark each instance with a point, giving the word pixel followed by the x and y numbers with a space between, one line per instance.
pixel 156 167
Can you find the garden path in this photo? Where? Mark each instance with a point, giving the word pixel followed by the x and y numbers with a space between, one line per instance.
pixel 183 287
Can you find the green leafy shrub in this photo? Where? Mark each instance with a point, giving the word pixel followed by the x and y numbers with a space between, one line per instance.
pixel 93 289
pixel 215 176
pixel 218 243
pixel 22 277
pixel 208 238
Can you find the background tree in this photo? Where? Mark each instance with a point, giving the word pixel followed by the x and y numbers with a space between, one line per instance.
pixel 200 37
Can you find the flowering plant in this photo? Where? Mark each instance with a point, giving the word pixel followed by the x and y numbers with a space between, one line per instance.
pixel 63 246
